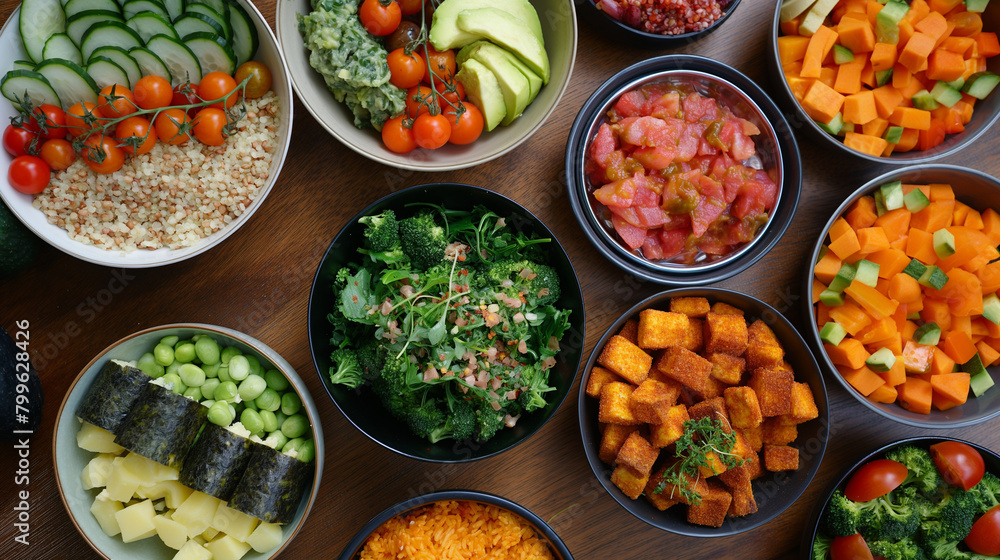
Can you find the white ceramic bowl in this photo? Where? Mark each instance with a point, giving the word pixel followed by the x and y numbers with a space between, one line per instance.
pixel 70 459
pixel 20 204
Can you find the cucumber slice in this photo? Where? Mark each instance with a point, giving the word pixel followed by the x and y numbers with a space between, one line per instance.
pixel 933 277
pixel 832 333
pixel 842 54
pixel 61 46
pixel 78 24
pixel 881 361
pixel 213 52
pixel 980 84
pixel 944 243
pixel 149 63
pixel 148 24
pixel 74 7
pixel 39 20
pixel 915 269
pixel 210 12
pixel 834 126
pixel 916 201
pixel 175 8
pixel 71 82
pixel 245 39
pixel 978 6
pixel 844 277
pixel 892 195
pixel 831 298
pixel 923 100
pixel 180 61
pixel 867 272
pixel 221 7
pixel 107 72
pixel 110 33
pixel 946 95
pixel 928 334
pixel 197 23
pixel 20 84
pixel 991 309
pixel 893 135
pixel 133 8
pixel 980 380
pixel 120 57
pixel 24 65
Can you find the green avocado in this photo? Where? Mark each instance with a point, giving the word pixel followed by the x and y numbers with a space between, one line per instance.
pixel 483 89
pixel 534 80
pixel 445 33
pixel 513 84
pixel 510 33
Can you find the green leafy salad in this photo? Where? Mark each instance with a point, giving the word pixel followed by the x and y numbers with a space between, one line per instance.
pixel 449 318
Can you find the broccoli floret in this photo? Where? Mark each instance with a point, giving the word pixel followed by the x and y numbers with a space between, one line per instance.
pixel 922 472
pixel 891 517
pixel 534 385
pixel 382 231
pixel 821 547
pixel 391 381
pixel 488 422
pixel 371 358
pixel 905 549
pixel 949 550
pixel 347 371
pixel 987 492
pixel 392 256
pixel 948 522
pixel 460 424
pixel 423 240
pixel 538 282
pixel 424 417
pixel 18 246
pixel 842 515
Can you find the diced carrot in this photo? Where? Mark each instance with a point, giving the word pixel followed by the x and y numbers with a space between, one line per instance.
pixel 874 127
pixel 901 76
pixel 934 216
pixel 918 11
pixel 936 311
pixel 963 292
pixel 895 223
pixel 908 331
pixel 884 57
pixel 961 45
pixel 862 378
pixel 911 117
pixel 852 9
pixel 817 288
pixel 864 143
pixel 819 46
pixel 878 330
pixel 915 395
pixel 958 346
pixel 904 288
pixel 791 27
pixel 964 110
pixel 906 31
pixel 893 343
pixel 993 342
pixel 991 225
pixel 987 353
pixel 872 10
pixel 868 77
pixel 940 402
pixel 821 102
pixel 876 304
pixel 851 317
pixel 839 227
pixel 915 306
pixel 872 239
pixel 909 140
pixel 914 55
pixel 939 192
pixel 983 327
pixel 969 243
pixel 828 75
pixel 845 245
pixel 896 374
pixel 960 212
pixel 962 323
pixel 945 65
pixel 973 220
pixel 887 98
pixel 856 34
pixel 862 213
pixel 987 44
pixel 859 108
pixel 933 24
pixel 953 386
pixel 885 393
pixel 792 48
pixel 920 245
pixel 827 267
pixel 849 353
pixel 941 363
pixel 849 75
pixel 917 357
pixel 943 6
pixel 890 262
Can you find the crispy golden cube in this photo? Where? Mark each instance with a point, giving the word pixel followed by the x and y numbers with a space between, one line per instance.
pixel 613 407
pixel 803 404
pixel 753 436
pixel 727 368
pixel 779 430
pixel 598 378
pixel 684 366
pixel 743 500
pixel 626 359
pixel 612 439
pixel 660 329
pixel 713 388
pixel 759 331
pixel 690 306
pixel 661 500
pixel 780 458
pixel 742 446
pixel 673 491
pixel 726 309
pixel 671 430
pixel 761 353
pixel 784 365
pixel 713 465
pixel 735 476
pixel 630 331
pixel 694 339
pixel 774 390
pixel 713 508
pixel 637 454
pixel 629 481
pixel 651 401
pixel 754 466
pixel 725 333
pixel 743 408
pixel 714 408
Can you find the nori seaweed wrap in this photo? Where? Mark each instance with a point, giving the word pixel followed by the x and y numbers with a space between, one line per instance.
pixel 112 394
pixel 272 485
pixel 162 425
pixel 216 462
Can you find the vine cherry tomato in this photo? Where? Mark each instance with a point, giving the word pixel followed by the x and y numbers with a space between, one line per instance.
pixel 81 118
pixel 465 129
pixel 186 94
pixel 405 70
pixel 17 140
pixel 54 119
pixel 152 92
pixel 57 153
pixel 853 547
pixel 441 63
pixel 216 85
pixel 874 479
pixel 209 126
pixel 984 538
pixel 116 101
pixel 431 131
pixel 168 126
pixel 139 127
pixel 28 174
pixel 260 78
pixel 959 463
pixel 410 7
pixel 457 94
pixel 380 19
pixel 397 137
pixel 418 99
pixel 102 154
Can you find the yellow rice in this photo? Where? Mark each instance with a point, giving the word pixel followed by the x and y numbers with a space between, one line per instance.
pixel 451 530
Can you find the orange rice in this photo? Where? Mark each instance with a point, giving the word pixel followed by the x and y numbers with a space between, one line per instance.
pixel 452 530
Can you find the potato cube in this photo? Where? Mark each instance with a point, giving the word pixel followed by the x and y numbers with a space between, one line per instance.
pixel 690 306
pixel 196 512
pixel 598 377
pixel 694 339
pixel 136 521
pixel 209 533
pixel 714 408
pixel 630 331
pixel 774 390
pixel 743 408
pixel 612 439
pixel 95 473
pixel 626 359
pixel 651 401
pixel 726 309
pixel 637 454
pixel 684 366
pixel 726 368
pixel 267 536
pixel 803 404
pixel 661 329
pixel 227 548
pixel 660 500
pixel 122 483
pixel 725 333
pixel 780 458
pixel 192 550
pixel 743 500
pixel 714 505
pixel 173 493
pixel 662 435
pixel 629 481
pixel 97 440
pixel 172 533
pixel 779 430
pixel 147 470
pixel 234 523
pixel 104 510
pixel 614 405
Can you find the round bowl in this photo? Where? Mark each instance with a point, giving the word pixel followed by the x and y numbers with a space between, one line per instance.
pixel 361 407
pixel 558 19
pixel 986 111
pixel 625 32
pixel 774 492
pixel 776 149
pixel 979 191
pixel 544 531
pixel 20 203
pixel 812 530
pixel 70 459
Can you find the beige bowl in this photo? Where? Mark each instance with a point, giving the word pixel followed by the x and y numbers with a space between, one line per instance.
pixel 558 19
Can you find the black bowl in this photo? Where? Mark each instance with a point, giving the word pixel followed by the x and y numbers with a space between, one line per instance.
pixel 990 457
pixel 776 148
pixel 633 36
pixel 774 491
pixel 361 407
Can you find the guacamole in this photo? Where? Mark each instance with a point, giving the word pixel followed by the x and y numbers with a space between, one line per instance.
pixel 351 61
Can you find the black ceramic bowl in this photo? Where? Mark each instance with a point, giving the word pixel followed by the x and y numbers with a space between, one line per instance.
pixel 544 531
pixel 774 492
pixel 812 530
pixel 605 23
pixel 775 146
pixel 361 407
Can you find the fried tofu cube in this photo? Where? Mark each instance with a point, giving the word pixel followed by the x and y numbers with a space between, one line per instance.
pixel 713 465
pixel 661 500
pixel 774 390
pixel 713 508
pixel 779 430
pixel 651 401
pixel 759 331
pixel 726 309
pixel 675 491
pixel 629 481
pixel 725 333
pixel 613 407
pixel 743 501
pixel 661 329
pixel 753 436
pixel 735 476
pixel 803 404
pixel 690 306
pixel 742 446
pixel 762 351
pixel 713 388
pixel 671 430
pixel 780 458
pixel 612 439
pixel 694 340
pixel 598 378
pixel 727 368
pixel 626 359
pixel 743 408
pixel 714 408
pixel 630 331
pixel 637 454
pixel 754 466
pixel 684 366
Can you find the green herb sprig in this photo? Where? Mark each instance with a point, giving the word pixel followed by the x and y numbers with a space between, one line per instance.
pixel 701 437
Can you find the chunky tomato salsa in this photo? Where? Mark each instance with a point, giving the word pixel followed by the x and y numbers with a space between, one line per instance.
pixel 674 168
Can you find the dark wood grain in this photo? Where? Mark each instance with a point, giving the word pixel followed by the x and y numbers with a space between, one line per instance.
pixel 258 282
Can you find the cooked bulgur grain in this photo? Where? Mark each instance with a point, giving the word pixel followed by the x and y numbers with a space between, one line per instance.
pixel 173 196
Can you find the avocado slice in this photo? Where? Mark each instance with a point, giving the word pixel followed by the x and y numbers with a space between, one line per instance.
pixel 445 33
pixel 509 32
pixel 512 82
pixel 483 89
pixel 534 80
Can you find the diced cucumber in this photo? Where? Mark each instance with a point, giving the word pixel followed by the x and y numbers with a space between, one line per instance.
pixel 916 201
pixel 24 65
pixel 928 334
pixel 881 360
pixel 77 25
pixel 980 379
pixel 842 54
pixel 981 84
pixel 893 135
pixel 879 203
pixel 74 7
pixel 20 84
pixel 944 243
pixel 71 82
pixel 887 21
pixel 867 272
pixel 245 39
pixel 120 57
pixel 109 33
pixel 178 58
pixel 831 298
pixel 991 309
pixel 107 72
pixel 148 24
pixel 132 8
pixel 945 94
pixel 978 6
pixel 213 52
pixel 175 8
pixel 39 20
pixel 843 278
pixel 61 46
pixel 883 77
pixel 197 23
pixel 923 100
pixel 892 195
pixel 834 126
pixel 832 333
pixel 149 63
pixel 933 277
pixel 815 17
pixel 213 14
pixel 915 269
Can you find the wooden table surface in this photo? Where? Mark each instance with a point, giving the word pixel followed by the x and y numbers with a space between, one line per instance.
pixel 258 282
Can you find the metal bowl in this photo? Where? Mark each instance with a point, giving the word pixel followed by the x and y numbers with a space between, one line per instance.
pixel 625 32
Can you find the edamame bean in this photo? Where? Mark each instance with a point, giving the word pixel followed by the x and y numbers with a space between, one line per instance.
pixel 170 340
pixel 226 391
pixel 239 368
pixel 280 418
pixel 211 370
pixel 307 451
pixel 255 367
pixel 268 400
pixel 291 444
pixel 290 403
pixel 173 382
pixel 295 425
pixel 174 368
pixel 193 393
pixel 208 350
pixel 208 388
pixel 191 375
pixel 270 422
pixel 275 440
pixel 252 387
pixel 252 421
pixel 227 354
pixel 224 373
pixel 163 354
pixel 221 414
pixel 275 380
pixel 248 404
pixel 184 352
pixel 208 403
pixel 147 363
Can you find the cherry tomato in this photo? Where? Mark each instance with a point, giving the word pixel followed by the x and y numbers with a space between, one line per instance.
pixel 139 127
pixel 967 24
pixel 28 174
pixel 410 7
pixel 260 78
pixel 216 85
pixel 209 126
pixel 57 153
pixel 984 538
pixel 102 154
pixel 17 140
pixel 405 34
pixel 168 126
pixel 378 18
pixel 418 99
pixel 853 547
pixel 431 131
pixel 53 117
pixel 116 101
pixel 397 137
pixel 186 94
pixel 959 463
pixel 442 64
pixel 457 94
pixel 874 479
pixel 152 92
pixel 81 118
pixel 406 70
pixel 465 129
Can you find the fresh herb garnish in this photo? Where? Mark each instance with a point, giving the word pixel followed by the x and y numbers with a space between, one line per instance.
pixel 705 440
